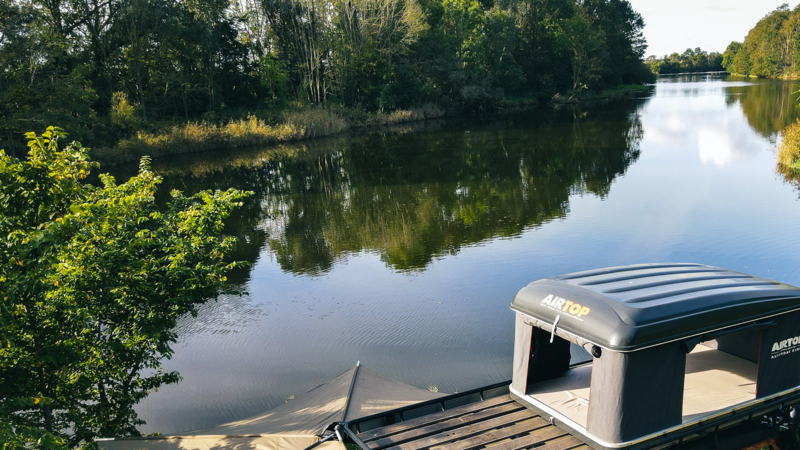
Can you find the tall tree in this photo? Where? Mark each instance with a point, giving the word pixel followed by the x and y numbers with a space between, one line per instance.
pixel 770 49
pixel 584 43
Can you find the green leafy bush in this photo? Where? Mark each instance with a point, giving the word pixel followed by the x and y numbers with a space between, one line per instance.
pixel 124 114
pixel 92 281
pixel 789 152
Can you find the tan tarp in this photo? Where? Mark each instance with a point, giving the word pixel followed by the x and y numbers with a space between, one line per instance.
pixel 324 405
pixel 296 424
pixel 262 442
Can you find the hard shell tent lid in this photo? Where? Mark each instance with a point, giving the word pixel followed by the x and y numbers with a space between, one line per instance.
pixel 631 307
pixel 356 393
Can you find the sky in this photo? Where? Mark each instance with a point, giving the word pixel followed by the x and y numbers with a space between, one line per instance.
pixel 675 25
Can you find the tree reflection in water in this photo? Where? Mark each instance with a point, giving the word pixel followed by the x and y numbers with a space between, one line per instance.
pixel 409 196
pixel 769 105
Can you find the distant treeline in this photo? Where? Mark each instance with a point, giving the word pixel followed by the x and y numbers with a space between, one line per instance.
pixel 771 49
pixel 104 70
pixel 695 60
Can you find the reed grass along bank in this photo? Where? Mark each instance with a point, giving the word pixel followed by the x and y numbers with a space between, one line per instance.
pixel 789 152
pixel 193 137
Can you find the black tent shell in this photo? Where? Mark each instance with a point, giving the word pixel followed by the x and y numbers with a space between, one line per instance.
pixel 634 307
pixel 674 347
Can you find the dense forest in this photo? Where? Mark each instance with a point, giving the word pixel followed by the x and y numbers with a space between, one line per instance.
pixel 106 69
pixel 696 60
pixel 771 49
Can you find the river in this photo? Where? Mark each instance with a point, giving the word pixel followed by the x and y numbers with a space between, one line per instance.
pixel 403 248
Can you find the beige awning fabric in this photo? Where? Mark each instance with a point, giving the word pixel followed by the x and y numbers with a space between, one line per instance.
pixel 356 393
pixel 368 393
pixel 261 442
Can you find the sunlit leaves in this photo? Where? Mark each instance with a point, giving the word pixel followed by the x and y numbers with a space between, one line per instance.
pixel 771 48
pixel 93 280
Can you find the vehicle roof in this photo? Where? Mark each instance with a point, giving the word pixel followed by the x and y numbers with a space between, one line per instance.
pixel 637 306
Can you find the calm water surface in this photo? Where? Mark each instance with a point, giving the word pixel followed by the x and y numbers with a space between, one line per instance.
pixel 404 248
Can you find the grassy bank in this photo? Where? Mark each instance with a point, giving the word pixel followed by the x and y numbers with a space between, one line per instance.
pixel 789 152
pixel 298 124
pixel 253 130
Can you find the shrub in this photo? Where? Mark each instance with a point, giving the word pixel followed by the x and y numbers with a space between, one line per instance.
pixel 789 153
pixel 95 277
pixel 315 122
pixel 124 114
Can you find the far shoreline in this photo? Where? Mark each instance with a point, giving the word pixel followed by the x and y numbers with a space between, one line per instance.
pixel 310 123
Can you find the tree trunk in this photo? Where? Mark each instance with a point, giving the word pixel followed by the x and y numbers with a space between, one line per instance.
pixel 46 411
pixel 141 88
pixel 11 144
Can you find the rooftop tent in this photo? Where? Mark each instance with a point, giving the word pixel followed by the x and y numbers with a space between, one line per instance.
pixel 298 424
pixel 673 346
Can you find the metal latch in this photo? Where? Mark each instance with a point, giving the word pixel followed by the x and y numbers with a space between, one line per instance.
pixel 555 324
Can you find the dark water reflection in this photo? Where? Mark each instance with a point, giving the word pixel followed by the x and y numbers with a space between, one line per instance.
pixel 412 197
pixel 769 105
pixel 403 248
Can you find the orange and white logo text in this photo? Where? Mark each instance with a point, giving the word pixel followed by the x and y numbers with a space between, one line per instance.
pixel 567 306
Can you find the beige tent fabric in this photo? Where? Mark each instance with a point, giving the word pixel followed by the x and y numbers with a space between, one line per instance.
pixel 263 442
pixel 297 424
pixel 568 395
pixel 324 405
pixel 373 394
pixel 309 414
pixel 714 381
